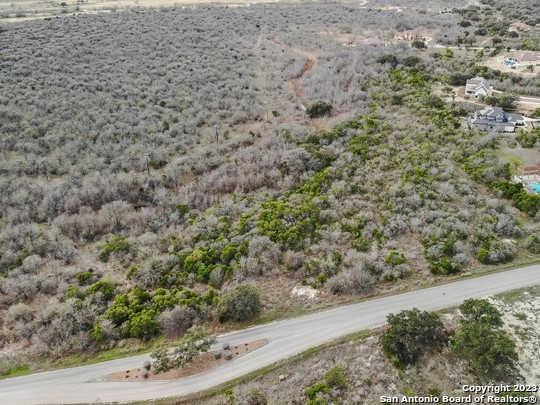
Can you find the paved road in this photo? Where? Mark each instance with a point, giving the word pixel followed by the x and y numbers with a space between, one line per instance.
pixel 530 100
pixel 286 338
pixel 522 99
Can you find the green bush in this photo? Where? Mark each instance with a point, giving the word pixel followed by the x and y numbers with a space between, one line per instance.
pixel 480 310
pixel 411 332
pixel 143 325
pixel 316 389
pixel 419 44
pixel 457 79
pixel 489 349
pixel 115 244
pixel 97 333
pixel 444 266
pixel 73 292
pixel 335 378
pixel 319 109
pixel 528 139
pixel 84 278
pixel 506 101
pixel 290 223
pixel 395 258
pixel 492 251
pixel 361 244
pixel 239 304
pixel 106 288
pixel 532 244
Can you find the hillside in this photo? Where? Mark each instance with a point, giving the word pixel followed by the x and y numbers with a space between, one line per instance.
pixel 156 160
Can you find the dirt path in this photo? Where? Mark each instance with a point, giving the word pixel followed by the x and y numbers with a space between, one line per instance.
pixel 308 66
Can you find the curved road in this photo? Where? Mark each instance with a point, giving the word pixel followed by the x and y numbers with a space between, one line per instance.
pixel 286 338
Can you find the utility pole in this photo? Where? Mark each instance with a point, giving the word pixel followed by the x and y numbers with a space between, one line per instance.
pixel 45 169
pixel 217 133
pixel 147 159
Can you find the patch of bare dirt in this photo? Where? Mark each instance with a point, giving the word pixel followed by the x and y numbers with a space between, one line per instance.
pixel 202 363
pixel 308 66
pixel 496 63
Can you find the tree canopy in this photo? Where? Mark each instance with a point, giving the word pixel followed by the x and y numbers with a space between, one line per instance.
pixel 411 332
pixel 239 304
pixel 480 339
pixel 319 109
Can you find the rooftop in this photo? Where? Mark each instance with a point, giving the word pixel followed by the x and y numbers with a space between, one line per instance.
pixel 491 111
pixel 529 169
pixel 476 80
pixel 524 56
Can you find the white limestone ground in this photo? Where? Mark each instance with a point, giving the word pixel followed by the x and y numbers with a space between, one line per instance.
pixel 521 315
pixel 304 291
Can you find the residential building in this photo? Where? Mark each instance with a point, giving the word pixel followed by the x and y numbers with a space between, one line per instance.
pixel 478 87
pixel 522 58
pixel 529 176
pixel 495 119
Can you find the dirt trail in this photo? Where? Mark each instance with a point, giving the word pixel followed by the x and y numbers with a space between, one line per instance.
pixel 308 66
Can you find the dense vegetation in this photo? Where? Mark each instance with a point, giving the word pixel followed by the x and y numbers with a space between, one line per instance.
pixel 482 341
pixel 138 197
pixel 410 333
pixel 479 339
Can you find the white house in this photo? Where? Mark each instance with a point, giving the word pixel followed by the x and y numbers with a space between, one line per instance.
pixel 478 87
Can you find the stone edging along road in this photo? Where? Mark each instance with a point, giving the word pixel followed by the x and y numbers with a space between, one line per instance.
pixel 85 384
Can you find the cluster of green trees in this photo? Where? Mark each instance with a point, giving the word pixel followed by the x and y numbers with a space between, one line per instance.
pixel 482 166
pixel 479 339
pixel 134 313
pixel 482 342
pixel 529 139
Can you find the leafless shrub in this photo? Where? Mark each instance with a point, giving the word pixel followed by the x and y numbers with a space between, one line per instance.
pixel 175 322
pixel 293 260
pixel 24 330
pixel 147 276
pixel 62 328
pixel 31 263
pixel 22 287
pixel 267 252
pixel 216 277
pixel 20 312
pixel 352 280
pixel 250 394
